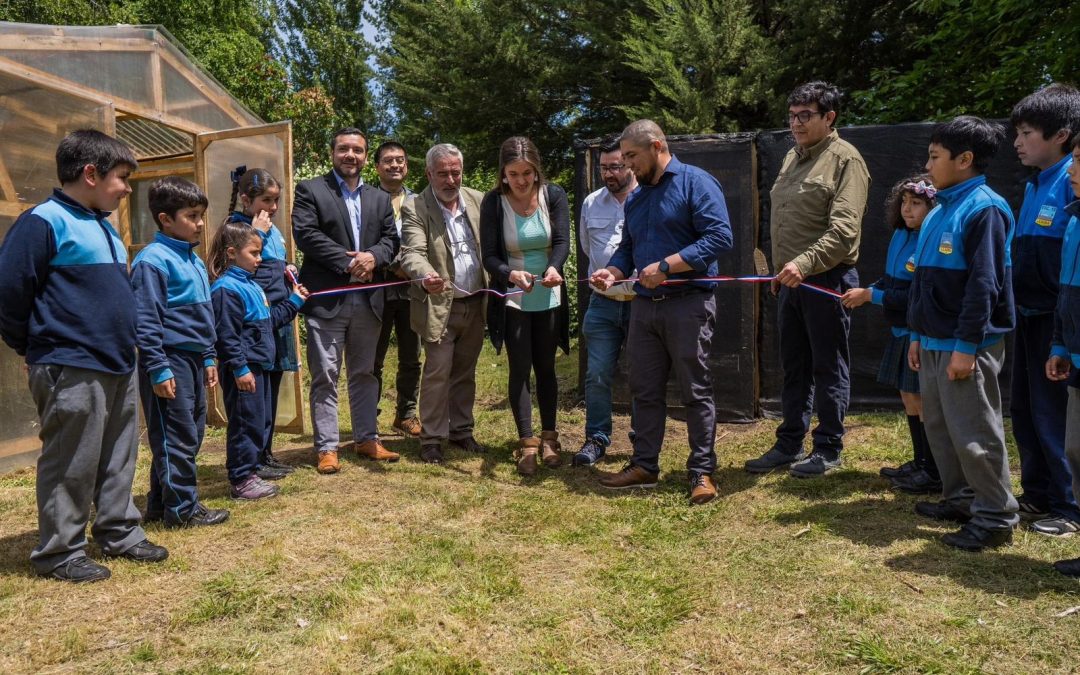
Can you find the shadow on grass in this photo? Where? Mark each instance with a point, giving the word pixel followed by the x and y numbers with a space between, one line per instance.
pixel 837 485
pixel 15 553
pixel 995 571
pixel 873 522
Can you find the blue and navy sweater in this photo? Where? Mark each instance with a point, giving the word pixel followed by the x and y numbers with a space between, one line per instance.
pixel 890 292
pixel 270 274
pixel 961 296
pixel 1066 340
pixel 245 321
pixel 65 297
pixel 172 298
pixel 1036 249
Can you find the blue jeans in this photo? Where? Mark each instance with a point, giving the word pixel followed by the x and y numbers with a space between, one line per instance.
pixel 605 327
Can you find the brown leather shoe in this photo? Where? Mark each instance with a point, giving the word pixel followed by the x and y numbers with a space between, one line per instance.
pixel 328 462
pixel 630 476
pixel 549 449
pixel 410 426
pixel 373 449
pixel 702 489
pixel 468 444
pixel 526 465
pixel 431 453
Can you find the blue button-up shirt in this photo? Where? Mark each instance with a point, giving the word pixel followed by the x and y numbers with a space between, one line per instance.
pixel 352 202
pixel 684 213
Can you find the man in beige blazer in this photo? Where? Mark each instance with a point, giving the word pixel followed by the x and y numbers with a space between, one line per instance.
pixel 441 246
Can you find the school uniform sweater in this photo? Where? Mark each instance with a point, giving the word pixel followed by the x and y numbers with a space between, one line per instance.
pixel 245 321
pixel 961 295
pixel 890 292
pixel 270 274
pixel 1066 340
pixel 172 301
pixel 1036 252
pixel 65 296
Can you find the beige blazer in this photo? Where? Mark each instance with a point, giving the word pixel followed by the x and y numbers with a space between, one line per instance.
pixel 425 248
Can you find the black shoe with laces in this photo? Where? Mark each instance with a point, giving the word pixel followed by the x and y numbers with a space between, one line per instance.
pixel 904 469
pixel 971 537
pixel 202 517
pixel 144 551
pixel 79 570
pixel 267 472
pixel 918 482
pixel 591 450
pixel 275 463
pixel 774 459
pixel 815 465
pixel 942 510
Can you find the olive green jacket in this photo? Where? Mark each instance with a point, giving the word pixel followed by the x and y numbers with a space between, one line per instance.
pixel 425 248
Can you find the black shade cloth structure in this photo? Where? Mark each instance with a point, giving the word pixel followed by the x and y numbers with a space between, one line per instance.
pixel 745 361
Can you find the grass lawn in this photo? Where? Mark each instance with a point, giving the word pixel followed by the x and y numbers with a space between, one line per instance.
pixel 467 567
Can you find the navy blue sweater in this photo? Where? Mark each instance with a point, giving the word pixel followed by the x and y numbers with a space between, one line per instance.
pixel 245 321
pixel 65 297
pixel 961 296
pixel 891 290
pixel 270 274
pixel 1036 250
pixel 1066 341
pixel 172 297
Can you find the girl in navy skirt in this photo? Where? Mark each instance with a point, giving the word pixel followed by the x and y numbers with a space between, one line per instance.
pixel 909 202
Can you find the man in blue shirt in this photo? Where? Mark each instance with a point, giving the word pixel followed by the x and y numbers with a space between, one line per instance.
pixel 676 226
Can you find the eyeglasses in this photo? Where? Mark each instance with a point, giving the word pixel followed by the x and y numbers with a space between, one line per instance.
pixel 393 161
pixel 612 168
pixel 803 116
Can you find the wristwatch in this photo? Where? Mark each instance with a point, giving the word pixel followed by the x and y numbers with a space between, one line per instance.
pixel 665 268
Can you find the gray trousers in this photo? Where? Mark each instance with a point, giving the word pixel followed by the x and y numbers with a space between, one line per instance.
pixel 674 334
pixel 448 383
pixel 89 441
pixel 353 335
pixel 964 426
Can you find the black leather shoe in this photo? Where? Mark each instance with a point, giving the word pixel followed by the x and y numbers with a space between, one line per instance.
pixel 202 517
pixel 942 510
pixel 275 463
pixel 974 538
pixel 431 453
pixel 918 482
pixel 267 472
pixel 897 471
pixel 1070 568
pixel 468 444
pixel 81 570
pixel 772 460
pixel 144 551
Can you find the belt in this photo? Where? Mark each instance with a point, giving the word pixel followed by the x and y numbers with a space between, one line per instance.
pixel 671 296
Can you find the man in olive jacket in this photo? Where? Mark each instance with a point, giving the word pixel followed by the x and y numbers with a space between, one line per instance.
pixel 441 246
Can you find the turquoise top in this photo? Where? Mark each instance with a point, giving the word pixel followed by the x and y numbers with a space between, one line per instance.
pixel 529 249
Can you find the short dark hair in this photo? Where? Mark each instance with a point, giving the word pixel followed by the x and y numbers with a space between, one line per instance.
pixel 969 133
pixel 896 198
pixel 1050 109
pixel 388 145
pixel 347 131
pixel 90 146
pixel 826 96
pixel 610 145
pixel 170 194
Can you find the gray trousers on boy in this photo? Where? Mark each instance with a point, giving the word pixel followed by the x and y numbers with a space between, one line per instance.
pixel 89 440
pixel 964 426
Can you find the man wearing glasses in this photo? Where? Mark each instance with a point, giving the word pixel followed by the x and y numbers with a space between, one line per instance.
pixel 607 319
pixel 818 202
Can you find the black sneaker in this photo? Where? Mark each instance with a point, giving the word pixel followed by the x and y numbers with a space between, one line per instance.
pixel 1056 527
pixel 275 463
pixel 144 551
pixel 202 517
pixel 1070 568
pixel 942 510
pixel 81 570
pixel 973 538
pixel 904 469
pixel 1031 511
pixel 815 465
pixel 591 450
pixel 267 472
pixel 918 482
pixel 774 459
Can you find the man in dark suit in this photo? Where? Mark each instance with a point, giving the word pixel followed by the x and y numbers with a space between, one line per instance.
pixel 346 231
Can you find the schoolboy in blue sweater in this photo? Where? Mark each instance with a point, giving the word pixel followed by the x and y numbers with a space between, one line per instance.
pixel 1064 362
pixel 1045 122
pixel 66 305
pixel 960 308
pixel 176 345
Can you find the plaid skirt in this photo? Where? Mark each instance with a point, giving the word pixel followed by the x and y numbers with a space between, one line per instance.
pixel 894 370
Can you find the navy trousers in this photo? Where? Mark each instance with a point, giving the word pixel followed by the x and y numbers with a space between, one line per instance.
pixel 1038 408
pixel 175 429
pixel 275 377
pixel 249 422
pixel 816 360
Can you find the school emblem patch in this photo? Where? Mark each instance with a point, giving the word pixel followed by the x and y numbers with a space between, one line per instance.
pixel 1046 216
pixel 945 246
pixel 910 264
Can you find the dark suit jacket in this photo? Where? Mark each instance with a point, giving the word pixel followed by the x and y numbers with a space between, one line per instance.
pixel 323 233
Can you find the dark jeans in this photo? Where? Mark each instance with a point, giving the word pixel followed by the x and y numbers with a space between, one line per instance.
pixel 1038 408
pixel 673 335
pixel 175 430
pixel 249 422
pixel 815 356
pixel 531 341
pixel 396 319
pixel 605 327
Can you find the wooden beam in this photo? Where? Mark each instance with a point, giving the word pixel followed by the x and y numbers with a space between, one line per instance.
pixel 7 186
pixel 162 173
pixel 69 43
pixel 157 89
pixel 14 209
pixel 222 99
